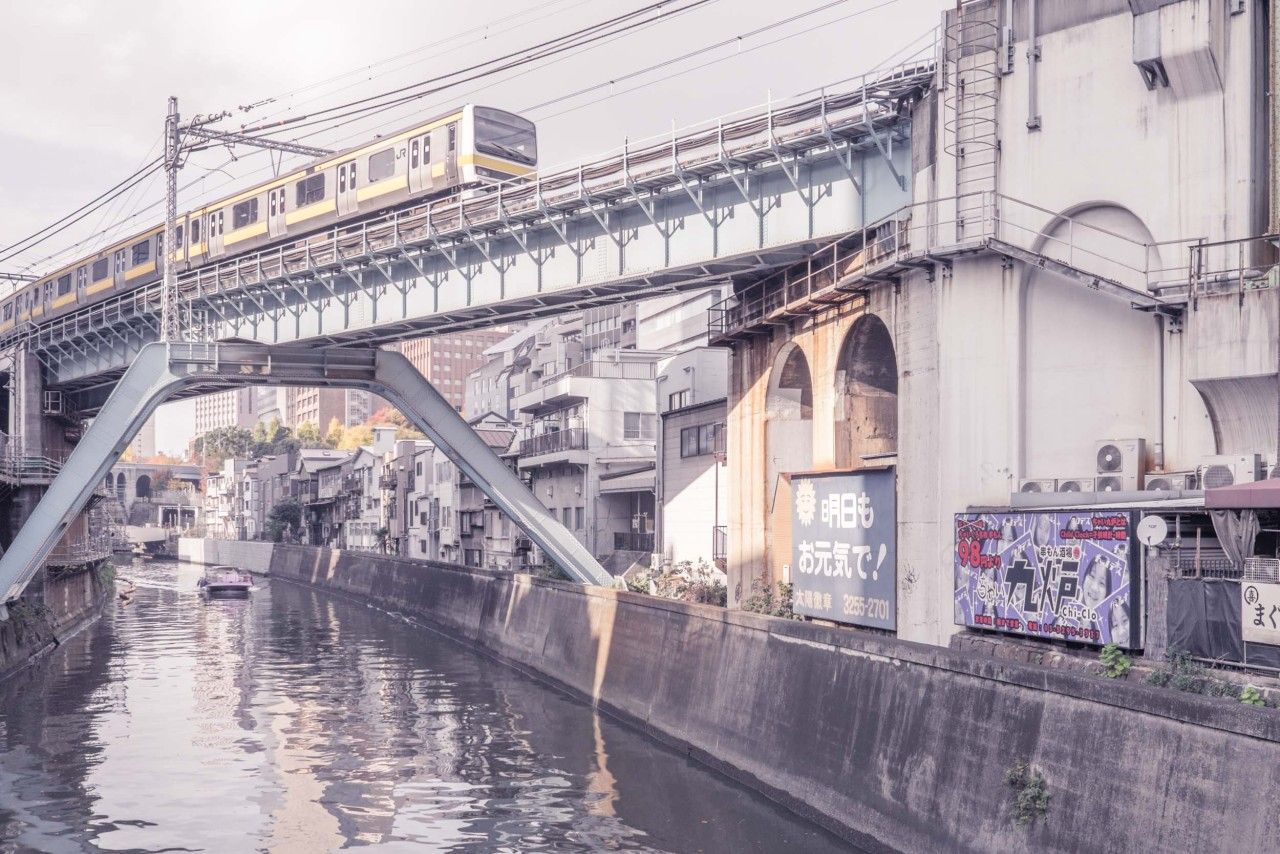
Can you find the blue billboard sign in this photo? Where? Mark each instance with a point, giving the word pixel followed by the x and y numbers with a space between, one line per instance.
pixel 843 547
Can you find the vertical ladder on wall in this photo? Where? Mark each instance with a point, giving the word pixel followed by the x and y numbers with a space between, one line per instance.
pixel 971 127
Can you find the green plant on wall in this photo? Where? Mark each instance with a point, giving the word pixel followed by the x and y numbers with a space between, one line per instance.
pixel 1030 792
pixel 1115 664
pixel 1251 696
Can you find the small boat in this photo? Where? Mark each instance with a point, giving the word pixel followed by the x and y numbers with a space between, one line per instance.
pixel 226 580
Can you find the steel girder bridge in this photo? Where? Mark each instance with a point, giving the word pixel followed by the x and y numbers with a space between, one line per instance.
pixel 731 200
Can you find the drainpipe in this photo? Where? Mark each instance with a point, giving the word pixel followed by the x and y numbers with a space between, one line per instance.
pixel 1273 87
pixel 1033 59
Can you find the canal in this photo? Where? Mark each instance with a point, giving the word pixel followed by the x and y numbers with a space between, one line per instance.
pixel 298 721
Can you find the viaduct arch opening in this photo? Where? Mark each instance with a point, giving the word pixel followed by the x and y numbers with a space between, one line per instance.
pixel 866 379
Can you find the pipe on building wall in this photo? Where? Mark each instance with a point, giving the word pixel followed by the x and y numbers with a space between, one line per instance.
pixel 1033 59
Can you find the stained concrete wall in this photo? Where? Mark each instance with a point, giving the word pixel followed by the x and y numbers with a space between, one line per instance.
pixel 895 745
pixel 50 608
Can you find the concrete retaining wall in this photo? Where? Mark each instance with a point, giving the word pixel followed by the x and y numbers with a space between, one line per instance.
pixel 891 744
pixel 50 608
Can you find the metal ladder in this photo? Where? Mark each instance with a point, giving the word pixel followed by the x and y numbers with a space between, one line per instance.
pixel 971 131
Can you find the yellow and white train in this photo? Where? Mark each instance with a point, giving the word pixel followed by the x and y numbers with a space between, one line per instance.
pixel 463 148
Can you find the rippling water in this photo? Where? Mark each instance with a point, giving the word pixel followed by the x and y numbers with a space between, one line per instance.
pixel 295 721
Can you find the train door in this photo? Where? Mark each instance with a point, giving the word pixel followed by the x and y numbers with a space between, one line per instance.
pixel 420 179
pixel 120 266
pixel 347 188
pixel 275 212
pixel 451 154
pixel 216 223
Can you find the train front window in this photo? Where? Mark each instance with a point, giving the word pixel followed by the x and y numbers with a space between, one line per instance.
pixel 507 136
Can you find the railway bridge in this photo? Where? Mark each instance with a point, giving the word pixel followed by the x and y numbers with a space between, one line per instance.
pixel 726 201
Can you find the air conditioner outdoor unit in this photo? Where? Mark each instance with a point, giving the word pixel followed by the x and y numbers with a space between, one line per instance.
pixel 1171 480
pixel 1076 484
pixel 1120 464
pixel 1230 469
pixel 1038 485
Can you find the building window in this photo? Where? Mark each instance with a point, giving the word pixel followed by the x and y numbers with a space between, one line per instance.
pixel 637 425
pixel 382 164
pixel 678 399
pixel 703 439
pixel 311 190
pixel 245 213
pixel 578 516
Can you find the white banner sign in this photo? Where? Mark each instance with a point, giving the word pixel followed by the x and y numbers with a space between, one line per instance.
pixel 1260 612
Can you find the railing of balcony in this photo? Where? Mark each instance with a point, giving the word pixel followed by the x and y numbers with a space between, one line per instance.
pixel 719 542
pixel 631 541
pixel 607 369
pixel 573 439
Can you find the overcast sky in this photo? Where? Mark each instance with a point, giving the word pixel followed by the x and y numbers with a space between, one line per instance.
pixel 86 84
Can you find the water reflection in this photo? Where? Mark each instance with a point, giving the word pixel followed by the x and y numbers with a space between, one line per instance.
pixel 293 721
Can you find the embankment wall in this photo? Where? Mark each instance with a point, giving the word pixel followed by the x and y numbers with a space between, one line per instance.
pixel 50 608
pixel 892 744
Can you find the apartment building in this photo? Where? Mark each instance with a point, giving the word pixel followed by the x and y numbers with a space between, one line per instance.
pixel 224 409
pixel 692 477
pixel 316 406
pixel 447 360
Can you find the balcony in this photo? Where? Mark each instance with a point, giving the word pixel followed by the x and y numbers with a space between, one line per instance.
pixel 631 541
pixel 573 439
pixel 719 544
pixel 574 384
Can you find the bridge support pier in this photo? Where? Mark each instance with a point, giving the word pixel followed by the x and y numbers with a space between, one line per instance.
pixel 163 371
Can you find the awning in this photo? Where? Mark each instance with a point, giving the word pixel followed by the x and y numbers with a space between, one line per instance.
pixel 1259 495
pixel 638 481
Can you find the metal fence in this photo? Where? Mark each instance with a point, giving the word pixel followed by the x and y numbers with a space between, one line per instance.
pixel 572 439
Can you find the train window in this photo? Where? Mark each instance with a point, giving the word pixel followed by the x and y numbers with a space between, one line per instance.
pixel 271 200
pixel 195 230
pixel 177 234
pixel 426 149
pixel 382 164
pixel 342 179
pixel 100 269
pixel 8 311
pixel 141 252
pixel 82 278
pixel 48 290
pixel 221 230
pixel 64 285
pixel 413 154
pixel 122 261
pixel 311 189
pixel 351 174
pixel 245 213
pixel 453 137
pixel 504 135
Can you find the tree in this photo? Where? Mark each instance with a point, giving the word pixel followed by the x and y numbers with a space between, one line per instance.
pixel 284 516
pixel 220 443
pixel 386 416
pixel 354 437
pixel 309 435
pixel 333 436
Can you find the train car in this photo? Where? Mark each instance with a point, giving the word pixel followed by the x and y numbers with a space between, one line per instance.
pixel 463 148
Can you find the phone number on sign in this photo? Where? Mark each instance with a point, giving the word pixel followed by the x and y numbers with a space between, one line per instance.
pixel 866 606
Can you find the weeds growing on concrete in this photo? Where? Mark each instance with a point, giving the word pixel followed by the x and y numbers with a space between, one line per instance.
pixel 686 581
pixel 774 601
pixel 1251 696
pixel 1115 664
pixel 1030 792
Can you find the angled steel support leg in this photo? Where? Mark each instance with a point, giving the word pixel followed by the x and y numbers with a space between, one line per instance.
pixel 420 402
pixel 142 388
pixel 154 376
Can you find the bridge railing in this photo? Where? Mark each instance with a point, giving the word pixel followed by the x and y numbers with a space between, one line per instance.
pixel 938 228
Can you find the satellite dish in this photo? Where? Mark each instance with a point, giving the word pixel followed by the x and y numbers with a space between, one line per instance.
pixel 1152 530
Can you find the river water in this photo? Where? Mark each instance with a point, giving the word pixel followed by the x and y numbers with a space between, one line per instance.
pixel 297 721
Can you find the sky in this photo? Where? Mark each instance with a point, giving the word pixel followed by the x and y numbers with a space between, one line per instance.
pixel 85 87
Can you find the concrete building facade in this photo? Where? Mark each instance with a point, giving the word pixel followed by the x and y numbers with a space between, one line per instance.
pixel 1054 194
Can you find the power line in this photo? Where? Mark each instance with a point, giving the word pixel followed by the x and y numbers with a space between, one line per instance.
pixel 73 217
pixel 514 59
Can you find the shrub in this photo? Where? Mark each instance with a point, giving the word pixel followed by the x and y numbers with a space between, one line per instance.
pixel 1115 664
pixel 1251 696
pixel 774 601
pixel 1181 672
pixel 1030 792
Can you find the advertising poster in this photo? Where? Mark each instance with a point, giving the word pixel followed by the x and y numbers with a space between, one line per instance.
pixel 1050 574
pixel 843 554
